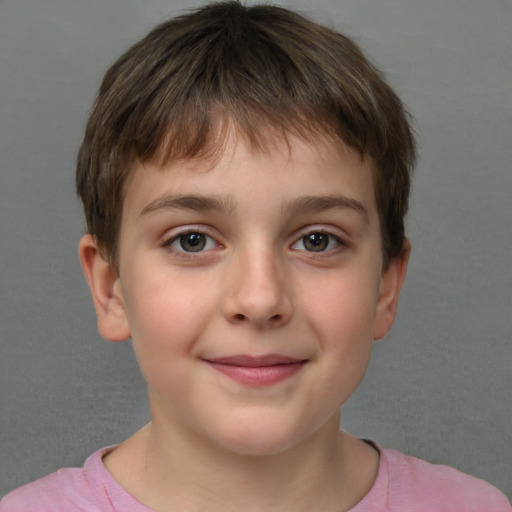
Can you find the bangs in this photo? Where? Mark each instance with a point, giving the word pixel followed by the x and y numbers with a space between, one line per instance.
pixel 252 68
pixel 263 71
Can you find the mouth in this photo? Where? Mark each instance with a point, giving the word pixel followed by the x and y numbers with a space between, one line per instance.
pixel 257 371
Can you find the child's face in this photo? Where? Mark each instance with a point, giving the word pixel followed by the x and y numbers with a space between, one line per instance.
pixel 253 288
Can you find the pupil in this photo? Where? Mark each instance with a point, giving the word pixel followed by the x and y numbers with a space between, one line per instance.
pixel 193 242
pixel 316 242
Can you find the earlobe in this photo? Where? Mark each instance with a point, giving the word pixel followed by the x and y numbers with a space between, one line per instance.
pixel 390 286
pixel 106 291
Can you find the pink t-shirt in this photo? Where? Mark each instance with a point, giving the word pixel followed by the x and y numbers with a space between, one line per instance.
pixel 403 484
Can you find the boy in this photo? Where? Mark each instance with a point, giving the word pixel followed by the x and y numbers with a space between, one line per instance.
pixel 245 175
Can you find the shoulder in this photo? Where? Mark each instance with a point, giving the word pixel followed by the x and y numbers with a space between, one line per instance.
pixel 53 492
pixel 437 488
pixel 69 489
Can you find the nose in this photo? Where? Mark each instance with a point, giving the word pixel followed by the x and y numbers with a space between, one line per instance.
pixel 257 291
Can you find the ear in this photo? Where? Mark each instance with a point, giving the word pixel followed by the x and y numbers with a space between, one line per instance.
pixel 390 285
pixel 106 291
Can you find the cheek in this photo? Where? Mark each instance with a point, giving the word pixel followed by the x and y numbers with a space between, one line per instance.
pixel 167 317
pixel 343 323
pixel 342 315
pixel 342 308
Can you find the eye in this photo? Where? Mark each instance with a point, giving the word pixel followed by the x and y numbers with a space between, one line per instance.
pixel 317 241
pixel 192 241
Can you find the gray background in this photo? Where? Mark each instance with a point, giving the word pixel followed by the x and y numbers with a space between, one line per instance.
pixel 438 387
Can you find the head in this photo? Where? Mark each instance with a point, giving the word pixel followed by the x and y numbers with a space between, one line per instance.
pixel 261 71
pixel 245 175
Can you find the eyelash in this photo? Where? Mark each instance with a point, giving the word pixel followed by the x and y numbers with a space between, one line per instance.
pixel 331 238
pixel 168 243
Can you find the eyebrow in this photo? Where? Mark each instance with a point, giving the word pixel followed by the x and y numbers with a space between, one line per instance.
pixel 190 202
pixel 312 204
pixel 226 204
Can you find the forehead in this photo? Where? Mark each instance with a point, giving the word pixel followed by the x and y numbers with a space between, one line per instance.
pixel 238 172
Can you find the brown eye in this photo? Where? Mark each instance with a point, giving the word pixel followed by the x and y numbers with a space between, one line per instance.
pixel 316 242
pixel 192 242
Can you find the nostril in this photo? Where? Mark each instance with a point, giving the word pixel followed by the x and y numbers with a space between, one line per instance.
pixel 239 317
pixel 275 318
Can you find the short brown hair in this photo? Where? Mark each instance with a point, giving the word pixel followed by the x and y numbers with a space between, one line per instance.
pixel 259 67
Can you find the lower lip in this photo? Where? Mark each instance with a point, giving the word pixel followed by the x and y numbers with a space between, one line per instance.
pixel 258 376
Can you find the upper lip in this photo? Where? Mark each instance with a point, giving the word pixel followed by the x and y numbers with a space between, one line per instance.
pixel 255 361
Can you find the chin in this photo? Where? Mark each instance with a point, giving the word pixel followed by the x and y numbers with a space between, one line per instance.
pixel 258 438
pixel 256 447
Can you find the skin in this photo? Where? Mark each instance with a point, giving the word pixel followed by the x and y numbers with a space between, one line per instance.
pixel 257 287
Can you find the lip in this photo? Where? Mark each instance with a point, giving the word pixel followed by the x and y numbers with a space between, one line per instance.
pixel 257 371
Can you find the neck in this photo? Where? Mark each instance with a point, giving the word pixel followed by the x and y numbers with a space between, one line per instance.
pixel 329 471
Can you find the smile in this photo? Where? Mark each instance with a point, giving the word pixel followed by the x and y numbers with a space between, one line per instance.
pixel 257 371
